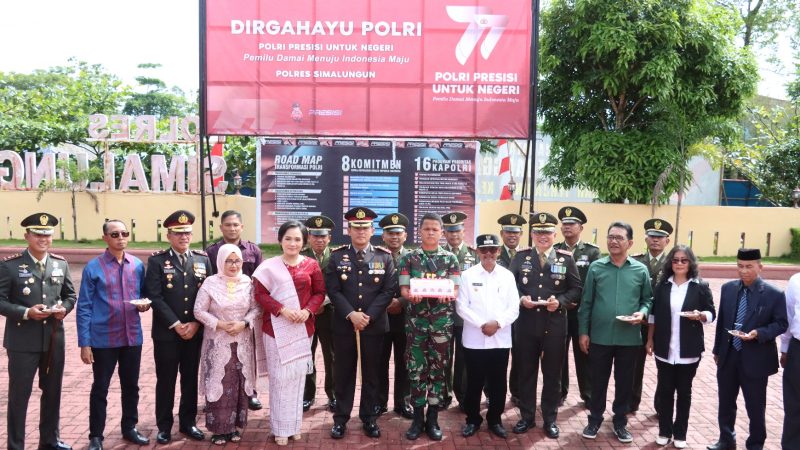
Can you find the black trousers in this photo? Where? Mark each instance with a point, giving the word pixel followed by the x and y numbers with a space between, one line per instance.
pixel 393 340
pixel 345 370
pixel 549 349
pixel 513 376
pixel 172 357
pixel 105 361
pixel 791 398
pixel 22 367
pixel 581 359
pixel 731 378
pixel 485 367
pixel 456 371
pixel 638 374
pixel 672 379
pixel 323 336
pixel 601 358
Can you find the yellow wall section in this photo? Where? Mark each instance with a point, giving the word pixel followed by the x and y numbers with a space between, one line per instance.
pixel 146 208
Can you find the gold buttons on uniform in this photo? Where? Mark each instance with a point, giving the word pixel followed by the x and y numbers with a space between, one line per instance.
pixel 44 322
pixel 186 312
pixel 540 286
pixel 360 284
pixel 360 272
pixel 359 296
pixel 186 286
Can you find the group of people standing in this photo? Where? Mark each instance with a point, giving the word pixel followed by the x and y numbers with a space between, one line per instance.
pixel 231 324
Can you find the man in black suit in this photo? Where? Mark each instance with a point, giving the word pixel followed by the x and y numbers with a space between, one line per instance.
pixel 36 293
pixel 758 311
pixel 360 280
pixel 172 280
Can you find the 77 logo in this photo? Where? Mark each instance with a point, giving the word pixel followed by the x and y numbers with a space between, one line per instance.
pixel 478 19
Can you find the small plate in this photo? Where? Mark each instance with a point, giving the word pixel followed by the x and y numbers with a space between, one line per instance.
pixel 540 302
pixel 687 313
pixel 626 318
pixel 737 333
pixel 141 302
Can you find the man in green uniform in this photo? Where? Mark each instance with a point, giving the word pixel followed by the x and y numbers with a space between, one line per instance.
pixel 394 236
pixel 547 281
pixel 657 232
pixel 319 237
pixel 36 293
pixel 583 253
pixel 510 233
pixel 429 326
pixel 456 372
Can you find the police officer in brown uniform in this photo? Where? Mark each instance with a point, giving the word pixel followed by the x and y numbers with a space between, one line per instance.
pixel 172 280
pixel 657 232
pixel 583 253
pixel 36 293
pixel 361 282
pixel 547 281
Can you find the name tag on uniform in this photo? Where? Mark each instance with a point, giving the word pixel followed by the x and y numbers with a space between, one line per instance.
pixel 477 284
pixel 25 274
pixel 57 272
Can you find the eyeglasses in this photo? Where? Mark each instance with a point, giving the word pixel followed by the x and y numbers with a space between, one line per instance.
pixel 488 249
pixel 117 234
pixel 616 238
pixel 680 261
pixel 233 262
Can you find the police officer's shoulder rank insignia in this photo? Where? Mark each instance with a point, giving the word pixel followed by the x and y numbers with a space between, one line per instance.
pixel 339 248
pixel 383 249
pixel 564 252
pixel 57 256
pixel 158 252
pixel 199 252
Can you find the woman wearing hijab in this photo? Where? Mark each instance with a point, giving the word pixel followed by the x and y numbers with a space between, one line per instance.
pixel 225 306
pixel 682 303
pixel 290 288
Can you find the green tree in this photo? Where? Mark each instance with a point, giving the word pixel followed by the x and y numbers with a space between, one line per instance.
pixel 613 75
pixel 52 107
pixel 762 20
pixel 74 180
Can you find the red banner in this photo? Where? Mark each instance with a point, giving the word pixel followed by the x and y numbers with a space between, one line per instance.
pixel 368 68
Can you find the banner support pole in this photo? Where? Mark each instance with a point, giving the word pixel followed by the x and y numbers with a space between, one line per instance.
pixel 202 114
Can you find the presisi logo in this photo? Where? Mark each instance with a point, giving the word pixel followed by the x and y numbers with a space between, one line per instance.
pixel 478 19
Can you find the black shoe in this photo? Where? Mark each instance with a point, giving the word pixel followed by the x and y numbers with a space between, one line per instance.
pixel 523 426
pixel 337 431
pixel 133 436
pixel 623 435
pixel 163 437
pixel 469 430
pixel 498 430
pixel 590 432
pixel 406 411
pixel 633 409
pixel 254 404
pixel 307 405
pixel 379 410
pixel 719 445
pixel 551 430
pixel 432 424
pixel 96 443
pixel 59 445
pixel 371 430
pixel 417 424
pixel 332 405
pixel 194 433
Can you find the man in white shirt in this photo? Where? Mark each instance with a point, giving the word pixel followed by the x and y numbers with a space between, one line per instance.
pixel 488 302
pixel 790 361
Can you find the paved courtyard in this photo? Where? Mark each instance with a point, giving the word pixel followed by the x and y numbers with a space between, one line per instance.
pixel 318 421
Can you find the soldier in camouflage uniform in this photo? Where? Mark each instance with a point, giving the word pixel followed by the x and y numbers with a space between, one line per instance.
pixel 456 371
pixel 429 326
pixel 583 253
pixel 657 232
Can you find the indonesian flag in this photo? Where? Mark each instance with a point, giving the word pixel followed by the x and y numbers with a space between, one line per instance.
pixel 504 175
pixel 216 150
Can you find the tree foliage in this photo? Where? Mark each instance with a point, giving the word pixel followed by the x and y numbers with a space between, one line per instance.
pixel 614 74
pixel 74 180
pixel 51 107
pixel 762 20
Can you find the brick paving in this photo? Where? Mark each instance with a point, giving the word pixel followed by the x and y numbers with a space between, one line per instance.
pixel 318 421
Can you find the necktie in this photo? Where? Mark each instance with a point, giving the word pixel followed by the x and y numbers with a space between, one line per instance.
pixel 542 260
pixel 360 256
pixel 740 314
pixel 511 253
pixel 40 266
pixel 183 259
pixel 653 263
